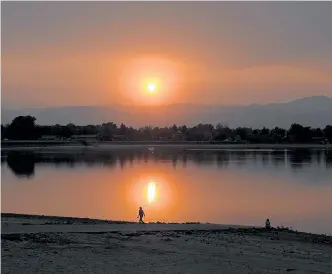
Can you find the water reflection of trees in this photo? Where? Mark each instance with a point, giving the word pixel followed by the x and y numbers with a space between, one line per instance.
pixel 23 164
pixel 298 157
pixel 328 158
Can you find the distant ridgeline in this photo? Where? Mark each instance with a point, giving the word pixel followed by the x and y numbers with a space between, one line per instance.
pixel 25 128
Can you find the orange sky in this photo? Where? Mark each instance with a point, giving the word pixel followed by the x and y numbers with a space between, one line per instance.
pixel 56 54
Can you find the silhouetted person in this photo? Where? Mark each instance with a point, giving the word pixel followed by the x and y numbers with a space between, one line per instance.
pixel 141 214
pixel 267 224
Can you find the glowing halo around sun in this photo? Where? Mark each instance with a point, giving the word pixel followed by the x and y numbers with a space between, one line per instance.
pixel 149 81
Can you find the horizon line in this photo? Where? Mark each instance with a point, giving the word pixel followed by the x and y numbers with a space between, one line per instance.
pixel 174 104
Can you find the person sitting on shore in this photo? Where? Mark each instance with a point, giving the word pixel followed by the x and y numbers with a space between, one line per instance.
pixel 267 224
pixel 141 214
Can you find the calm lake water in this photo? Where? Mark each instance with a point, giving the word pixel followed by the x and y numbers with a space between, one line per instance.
pixel 291 187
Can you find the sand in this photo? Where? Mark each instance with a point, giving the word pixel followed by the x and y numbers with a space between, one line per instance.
pixel 39 244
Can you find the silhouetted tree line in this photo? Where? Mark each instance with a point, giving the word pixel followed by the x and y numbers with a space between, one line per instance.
pixel 25 128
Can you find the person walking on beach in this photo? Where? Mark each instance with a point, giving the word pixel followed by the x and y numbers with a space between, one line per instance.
pixel 267 224
pixel 141 214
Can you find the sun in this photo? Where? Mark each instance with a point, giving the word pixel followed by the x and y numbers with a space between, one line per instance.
pixel 152 87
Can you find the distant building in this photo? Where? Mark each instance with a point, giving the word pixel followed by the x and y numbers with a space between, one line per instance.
pixel 320 140
pixel 178 136
pixel 238 139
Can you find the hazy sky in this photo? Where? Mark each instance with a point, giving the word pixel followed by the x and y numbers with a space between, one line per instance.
pixel 102 53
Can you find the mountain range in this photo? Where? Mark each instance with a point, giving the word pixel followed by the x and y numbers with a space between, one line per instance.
pixel 313 111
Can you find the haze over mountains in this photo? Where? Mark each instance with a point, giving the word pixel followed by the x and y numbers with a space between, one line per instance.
pixel 312 111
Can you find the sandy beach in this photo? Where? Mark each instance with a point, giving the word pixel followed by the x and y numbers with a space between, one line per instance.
pixel 41 244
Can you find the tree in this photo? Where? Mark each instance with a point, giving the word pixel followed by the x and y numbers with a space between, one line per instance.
pixel 317 132
pixel 122 129
pixel 183 129
pixel 278 134
pixel 66 131
pixel 328 132
pixel 107 131
pixel 223 132
pixel 242 132
pixel 23 128
pixel 174 128
pixel 299 134
pixel 265 131
pixel 3 132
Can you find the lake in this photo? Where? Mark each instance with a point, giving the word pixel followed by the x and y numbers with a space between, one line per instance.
pixel 291 187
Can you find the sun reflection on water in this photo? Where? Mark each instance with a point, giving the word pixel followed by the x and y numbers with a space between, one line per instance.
pixel 151 191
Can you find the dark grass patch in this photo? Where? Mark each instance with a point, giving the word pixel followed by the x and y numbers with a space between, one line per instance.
pixel 62 220
pixel 39 238
pixel 12 237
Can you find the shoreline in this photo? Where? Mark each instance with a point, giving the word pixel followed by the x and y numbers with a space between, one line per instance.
pixel 51 244
pixel 32 146
pixel 36 219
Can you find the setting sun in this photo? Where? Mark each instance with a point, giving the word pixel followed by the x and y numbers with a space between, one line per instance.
pixel 152 87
